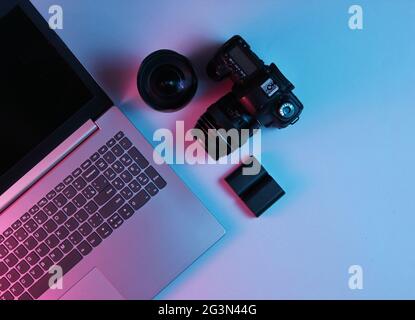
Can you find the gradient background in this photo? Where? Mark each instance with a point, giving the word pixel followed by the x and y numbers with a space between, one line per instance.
pixel 347 165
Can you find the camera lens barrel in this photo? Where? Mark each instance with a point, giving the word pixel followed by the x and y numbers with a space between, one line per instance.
pixel 166 80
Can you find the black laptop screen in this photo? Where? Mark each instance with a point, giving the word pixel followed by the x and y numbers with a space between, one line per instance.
pixel 38 90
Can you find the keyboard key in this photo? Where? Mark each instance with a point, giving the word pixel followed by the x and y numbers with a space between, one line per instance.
pixel 34 209
pixel 101 164
pixel 26 281
pixel 30 243
pixel 40 234
pixel 21 234
pixel 62 233
pixel 16 289
pixel 109 157
pixel 126 193
pixel 117 150
pixel 90 174
pixel 69 209
pixel 94 239
pixel 60 217
pixel 94 157
pixel 42 250
pixel 16 225
pixel 111 143
pixel 126 160
pixel 40 217
pixel 11 260
pixel 115 221
pixel 50 226
pixel 32 258
pixel 139 200
pixel 67 263
pixel 126 176
pixel 79 200
pixel 85 229
pixel 4 284
pixel 103 149
pixel 84 248
pixel 151 189
pixel 134 169
pixel 104 230
pixel 12 276
pixel 86 164
pixel 66 246
pixel 25 217
pixel 118 184
pixel 3 251
pixel 36 272
pixel 20 252
pixel 7 296
pixel 11 243
pixel 81 216
pixel 3 268
pixel 75 238
pixel 50 208
pixel 8 232
pixel 42 202
pixel 52 241
pixel 138 158
pixel 134 186
pixel 22 267
pixel 46 263
pixel 89 192
pixel 68 180
pixel 79 184
pixel 110 174
pixel 59 187
pixel 77 172
pixel 95 220
pixel 118 167
pixel 143 179
pixel 59 201
pixel 126 212
pixel 155 177
pixel 56 255
pixel 69 192
pixel 71 224
pixel 119 135
pixel 105 195
pixel 51 195
pixel 91 207
pixel 100 183
pixel 126 143
pixel 25 297
pixel 111 207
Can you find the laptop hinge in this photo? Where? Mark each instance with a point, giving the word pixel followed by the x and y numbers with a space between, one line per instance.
pixel 49 162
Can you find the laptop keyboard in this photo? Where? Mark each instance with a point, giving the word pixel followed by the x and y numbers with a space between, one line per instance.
pixel 75 217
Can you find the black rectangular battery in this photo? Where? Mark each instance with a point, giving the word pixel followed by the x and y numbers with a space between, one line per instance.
pixel 258 192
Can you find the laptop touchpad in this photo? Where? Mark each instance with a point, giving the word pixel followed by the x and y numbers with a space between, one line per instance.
pixel 94 286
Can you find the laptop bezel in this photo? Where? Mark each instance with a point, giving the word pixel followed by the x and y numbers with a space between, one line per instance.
pixel 98 104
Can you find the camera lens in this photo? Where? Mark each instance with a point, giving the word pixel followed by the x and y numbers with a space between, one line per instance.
pixel 166 80
pixel 287 110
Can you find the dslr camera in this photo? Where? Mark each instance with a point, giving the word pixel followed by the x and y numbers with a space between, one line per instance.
pixel 261 97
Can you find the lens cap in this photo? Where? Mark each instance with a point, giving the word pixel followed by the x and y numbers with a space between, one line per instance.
pixel 166 80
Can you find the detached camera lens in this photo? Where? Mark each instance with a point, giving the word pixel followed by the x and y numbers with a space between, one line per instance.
pixel 166 80
pixel 287 110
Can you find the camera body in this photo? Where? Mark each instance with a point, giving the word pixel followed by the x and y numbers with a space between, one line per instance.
pixel 261 95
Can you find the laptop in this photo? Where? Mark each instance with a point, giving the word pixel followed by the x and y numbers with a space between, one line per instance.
pixel 85 211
